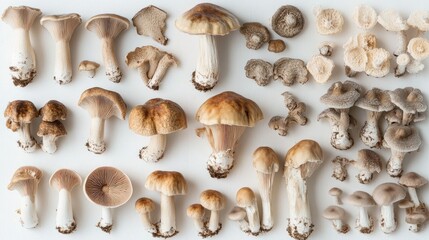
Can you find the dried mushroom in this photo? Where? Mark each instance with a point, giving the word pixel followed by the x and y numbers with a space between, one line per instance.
pixel 290 70
pixel 402 61
pixel 296 115
pixel 362 200
pixel 368 163
pixel 150 21
pixel 89 66
pixel 276 46
pixel 259 70
pixel 326 48
pixel 256 34
pixel 411 101
pixel 365 17
pixel 328 21
pixel 378 64
pixel 419 19
pixel 287 21
pixel 393 22
pixel 320 68
pixel 418 48
pixel 339 170
pixel 355 60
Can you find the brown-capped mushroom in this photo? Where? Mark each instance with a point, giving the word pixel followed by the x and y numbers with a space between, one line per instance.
pixel 259 70
pixel 89 66
pixel 50 132
pixel 144 206
pixel 416 220
pixel 337 215
pixel 402 61
pixel 328 21
pixel 239 214
pixel 53 110
pixel 326 48
pixel 419 19
pixel 365 17
pixel 378 64
pixel 411 101
pixel 214 201
pixel 362 200
pixel 287 21
pixel 368 162
pixel 256 34
pixel 339 170
pixel 393 116
pixel 279 124
pixel 197 212
pixel 320 68
pixel 150 21
pixel 392 21
pixel 290 70
pixel 336 193
pixel 246 199
pixel 276 46
pixel 418 48
pixel 412 181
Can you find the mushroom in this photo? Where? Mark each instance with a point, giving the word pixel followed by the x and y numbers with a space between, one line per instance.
pixel 378 64
pixel 246 199
pixel 50 132
pixel 276 46
pixel 340 171
pixel 393 22
pixel 101 104
pixel 225 117
pixel 208 21
pixel 355 60
pixel 412 181
pixel 23 59
pixel 287 21
pixel 419 19
pixel 290 70
pixel 239 214
pixel 196 212
pixel 53 110
pixel 213 201
pixel 402 62
pixel 108 27
pixel 336 192
pixel 169 184
pixel 375 102
pixel 25 180
pixel 150 21
pixel 337 216
pixel 386 195
pixel 20 114
pixel 296 109
pixel 89 66
pixel 259 70
pixel 61 28
pixel 401 140
pixel 300 163
pixel 109 188
pixel 410 101
pixel 368 162
pixel 365 17
pixel 362 200
pixel 365 40
pixel 393 116
pixel 416 220
pixel 328 21
pixel 144 206
pixel 326 49
pixel 256 34
pixel 65 180
pixel 279 124
pixel 320 68
pixel 266 164
pixel 151 63
pixel 418 48
pixel 156 118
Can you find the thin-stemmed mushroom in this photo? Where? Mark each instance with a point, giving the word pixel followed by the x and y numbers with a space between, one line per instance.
pixel 412 181
pixel 89 66
pixel 150 21
pixel 337 216
pixel 213 201
pixel 411 101
pixel 197 212
pixel 256 34
pixel 368 162
pixel 393 22
pixel 416 220
pixel 402 62
pixel 144 206
pixel 362 200
pixel 239 214
pixel 246 199
pixel 336 193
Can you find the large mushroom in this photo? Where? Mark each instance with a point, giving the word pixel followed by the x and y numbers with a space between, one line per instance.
pixel 411 101
pixel 156 118
pixel 246 199
pixel 256 34
pixel 368 163
pixel 214 201
pixel 301 161
pixel 287 21
pixel 393 22
pixel 362 200
pixel 290 70
pixel 150 21
pixel 101 104
pixel 207 20
pixel 225 117
pixel 23 60
pixel 109 188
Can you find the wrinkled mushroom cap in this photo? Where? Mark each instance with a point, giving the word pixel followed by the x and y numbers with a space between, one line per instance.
pixel 103 103
pixel 256 34
pixel 419 19
pixel 368 160
pixel 360 199
pixel 356 58
pixel 21 111
pixel 402 138
pixel 342 95
pixel 144 205
pixel 290 70
pixel 334 213
pixel 195 211
pixel 287 21
pixel 392 21
pixel 413 180
pixel 207 19
pixel 212 200
pixel 365 17
pixel 245 197
pixel 409 100
pixel 378 64
pixel 329 21
pixel 20 17
pixel 229 108
pixel 107 25
pixel 25 180
pixel 61 27
pixel 65 179
pixel 276 45
pixel 306 155
pixel 265 160
pixel 388 193
pixel 237 214
pixel 418 48
pixel 55 128
pixel 53 110
pixel 86 65
pixel 259 70
pixel 366 40
pixel 169 183
pixel 375 100
pixel 142 55
pixel 320 68
pixel 150 21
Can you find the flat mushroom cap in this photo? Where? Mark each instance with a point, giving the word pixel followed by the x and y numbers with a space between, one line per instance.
pixel 413 180
pixel 237 214
pixel 402 138
pixel 419 19
pixel 403 59
pixel 53 110
pixel 20 17
pixel 103 103
pixel 368 160
pixel 245 197
pixel 144 205
pixel 65 179
pixel 25 180
pixel 259 70
pixel 329 21
pixel 86 65
pixel 256 34
pixel 409 100
pixel 108 187
pixel 150 21
pixel 320 68
pixel 107 25
pixel 21 111
pixel 342 95
pixel 290 70
pixel 61 27
pixel 229 108
pixel 306 155
pixel 169 183
pixel 157 116
pixel 418 48
pixel 375 100
pixel 265 160
pixel 55 128
pixel 207 19
pixel 212 200
pixel 392 21
pixel 388 193
pixel 288 21
pixel 378 57
pixel 365 17
pixel 356 58
pixel 334 213
pixel 360 199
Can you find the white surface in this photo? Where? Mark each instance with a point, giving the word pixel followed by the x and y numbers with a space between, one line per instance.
pixel 185 151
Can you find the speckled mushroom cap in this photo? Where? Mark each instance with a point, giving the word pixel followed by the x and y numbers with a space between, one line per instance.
pixel 290 70
pixel 259 70
pixel 212 200
pixel 365 17
pixel 368 160
pixel 402 138
pixel 328 21
pixel 256 34
pixel 392 21
pixel 307 155
pixel 65 179
pixel 103 103
pixel 53 110
pixel 287 21
pixel 87 65
pixel 207 19
pixel 150 21
pixel 360 199
pixel 413 180
pixel 375 100
pixel 334 213
pixel 409 100
pixel 169 183
pixel 144 205
pixel 245 197
pixel 418 48
pixel 342 95
pixel 157 116
pixel 107 25
pixel 378 64
pixel 26 180
pixel 320 68
pixel 20 17
pixel 229 108
pixel 21 111
pixel 388 193
pixel 419 19
pixel 265 160
pixel 55 128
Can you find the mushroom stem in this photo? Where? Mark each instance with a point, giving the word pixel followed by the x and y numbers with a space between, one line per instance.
pixel 214 221
pixel 168 216
pixel 265 189
pixel 166 61
pixel 338 225
pixel 155 149
pixel 207 70
pixel 110 63
pixel 394 165
pixel 64 219
pixel 48 144
pixel 96 142
pixel 402 43
pixel 147 223
pixel 253 217
pixel 63 65
pixel 413 196
pixel 363 222
pixel 23 59
pixel 388 222
pixel 106 221
pixel 27 211
pixel 143 71
pixel 370 133
pixel 26 141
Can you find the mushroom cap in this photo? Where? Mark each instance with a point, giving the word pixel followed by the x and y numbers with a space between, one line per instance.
pixel 326 48
pixel 265 160
pixel 403 59
pixel 320 68
pixel 413 180
pixel 287 21
pixel 20 17
pixel 107 25
pixel 368 160
pixel 335 192
pixel 378 64
pixel 103 103
pixel 169 183
pixel 61 27
pixel 212 200
pixel 256 34
pixel 65 179
pixel 21 111
pixel 392 21
pixel 418 48
pixel 207 19
pixel 144 205
pixel 375 100
pixel 25 180
pixel 259 69
pixel 405 203
pixel 356 58
pixel 365 40
pixel 86 65
pixel 147 55
pixel 55 128
pixel 245 197
pixel 365 17
pixel 329 21
pixel 195 211
pixel 409 100
pixel 416 218
pixel 419 19
pixel 342 95
pixel 108 187
pixel 290 70
pixel 306 155
pixel 150 21
pixel 360 199
pixel 229 108
pixel 157 116
pixel 53 110
pixel 237 214
pixel 388 193
pixel 334 213
pixel 402 138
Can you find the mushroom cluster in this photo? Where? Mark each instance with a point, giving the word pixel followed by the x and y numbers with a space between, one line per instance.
pixel 296 115
pixel 51 128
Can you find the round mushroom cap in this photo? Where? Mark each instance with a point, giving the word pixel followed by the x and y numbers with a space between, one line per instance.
pixel 360 199
pixel 55 128
pixel 413 180
pixel 157 116
pixel 392 21
pixel 144 205
pixel 405 203
pixel 365 17
pixel 195 211
pixel 169 183
pixel 375 100
pixel 259 70
pixel 334 213
pixel 207 19
pixel 21 111
pixel 378 64
pixel 65 179
pixel 212 200
pixel 356 59
pixel 53 110
pixel 402 138
pixel 20 16
pixel 403 59
pixel 245 197
pixel 61 27
pixel 229 108
pixel 306 155
pixel 409 100
pixel 287 21
pixel 368 160
pixel 151 21
pixel 256 34
pixel 237 214
pixel 342 95
pixel 103 103
pixel 416 218
pixel 320 68
pixel 25 180
pixel 335 192
pixel 107 25
pixel 388 193
pixel 87 65
pixel 108 187
pixel 419 19
pixel 418 48
pixel 265 160
pixel 329 21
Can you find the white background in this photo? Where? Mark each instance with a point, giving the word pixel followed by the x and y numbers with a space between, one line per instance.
pixel 185 151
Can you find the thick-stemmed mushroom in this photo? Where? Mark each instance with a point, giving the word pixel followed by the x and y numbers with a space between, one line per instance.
pixel 61 28
pixel 65 180
pixel 207 21
pixel 23 60
pixel 393 22
pixel 197 212
pixel 411 101
pixel 337 216
pixel 225 117
pixel 368 162
pixel 109 188
pixel 301 161
pixel 213 201
pixel 362 200
pixel 239 214
pixel 150 21
pixel 246 199
pixel 101 104
pixel 144 206
pixel 108 27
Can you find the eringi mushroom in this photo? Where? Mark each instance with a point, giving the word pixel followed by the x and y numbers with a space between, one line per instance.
pixel 151 21
pixel 245 198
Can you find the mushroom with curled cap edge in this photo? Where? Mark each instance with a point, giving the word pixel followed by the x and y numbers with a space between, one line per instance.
pixel 150 21
pixel 214 201
pixel 256 34
pixel 411 101
pixel 378 64
pixel 402 62
pixel 392 21
pixel 362 200
pixel 246 199
pixel 320 68
pixel 290 70
pixel 419 19
pixel 287 21
pixel 259 70
pixel 337 216
pixel 368 162
pixel 412 181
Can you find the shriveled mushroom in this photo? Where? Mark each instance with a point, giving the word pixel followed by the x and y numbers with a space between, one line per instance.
pixel 290 70
pixel 23 58
pixel 156 118
pixel 207 21
pixel 362 200
pixel 287 21
pixel 394 116
pixel 326 48
pixel 259 70
pixel 378 64
pixel 89 66
pixel 61 28
pixel 340 168
pixel 364 40
pixel 412 181
pixel 418 48
pixel 337 215
pixel 416 220
pixel 225 117
pixel 301 161
pixel 150 21
pixel 419 19
pixel 336 193
pixel 328 21
pixel 197 213
pixel 214 201
pixel 320 68
pixel 355 60
pixel 279 124
pixel 108 27
pixel 25 180
pixel 296 115
pixel 50 132
pixel 101 104
pixel 402 61
pixel 365 17
pixel 53 110
pixel 144 206
pixel 368 162
pixel 276 46
pixel 239 214
pixel 256 34
pixel 392 21
pixel 246 199
pixel 411 101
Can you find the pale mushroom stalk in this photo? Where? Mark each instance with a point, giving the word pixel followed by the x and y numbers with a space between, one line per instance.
pixel 413 196
pixel 207 70
pixel 168 215
pixel 49 144
pixel 239 214
pixel 96 135
pixel 402 43
pixel 214 221
pixel 394 165
pixel 27 212
pixel 253 217
pixel 388 218
pixel 63 65
pixel 26 141
pixel 109 59
pixel 147 223
pixel 64 218
pixel 163 65
pixel 402 62
pixel 106 221
pixel 265 187
pixel 371 134
pixel 156 148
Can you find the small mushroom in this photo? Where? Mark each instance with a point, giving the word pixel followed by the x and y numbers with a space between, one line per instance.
pixel 411 101
pixel 53 110
pixel 256 34
pixel 50 132
pixel 412 181
pixel 320 68
pixel 296 115
pixel 279 124
pixel 355 60
pixel 418 48
pixel 393 116
pixel 259 70
pixel 419 19
pixel 287 21
pixel 246 199
pixel 416 220
pixel 402 61
pixel 328 21
pixel 362 200
pixel 337 216
pixel 393 22
pixel 144 206
pixel 213 201
pixel 378 64
pixel 197 213
pixel 89 66
pixel 336 192
pixel 339 170
pixel 276 46
pixel 368 162
pixel 326 49
pixel 290 70
pixel 239 214
pixel 365 17
pixel 150 21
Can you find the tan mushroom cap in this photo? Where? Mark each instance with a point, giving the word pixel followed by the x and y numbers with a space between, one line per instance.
pixel 147 55
pixel 320 68
pixel 287 21
pixel 418 48
pixel 368 160
pixel 212 200
pixel 329 21
pixel 53 110
pixel 196 211
pixel 356 58
pixel 335 192
pixel 366 40
pixel 157 116
pixel 229 108
pixel 265 160
pixel 21 111
pixel 144 205
pixel 150 21
pixel 388 193
pixel 25 180
pixel 409 100
pixel 378 64
pixel 290 70
pixel 237 214
pixel 65 179
pixel 276 45
pixel 416 218
pixel 207 19
pixel 412 179
pixel 405 203
pixel 342 95
pixel 169 183
pixel 392 21
pixel 419 19
pixel 402 138
pixel 107 25
pixel 87 65
pixel 20 17
pixel 256 34
pixel 307 155
pixel 61 27
pixel 375 100
pixel 108 187
pixel 103 103
pixel 365 17
pixel 245 197
pixel 55 128
pixel 259 70
pixel 334 213
pixel 360 199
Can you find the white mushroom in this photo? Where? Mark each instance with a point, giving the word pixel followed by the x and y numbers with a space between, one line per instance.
pixel 246 199
pixel 355 60
pixel 326 48
pixel 328 21
pixel 337 215
pixel 239 214
pixel 418 48
pixel 214 201
pixel 378 64
pixel 365 17
pixel 144 206
pixel 89 66
pixel 393 22
pixel 336 193
pixel 320 68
